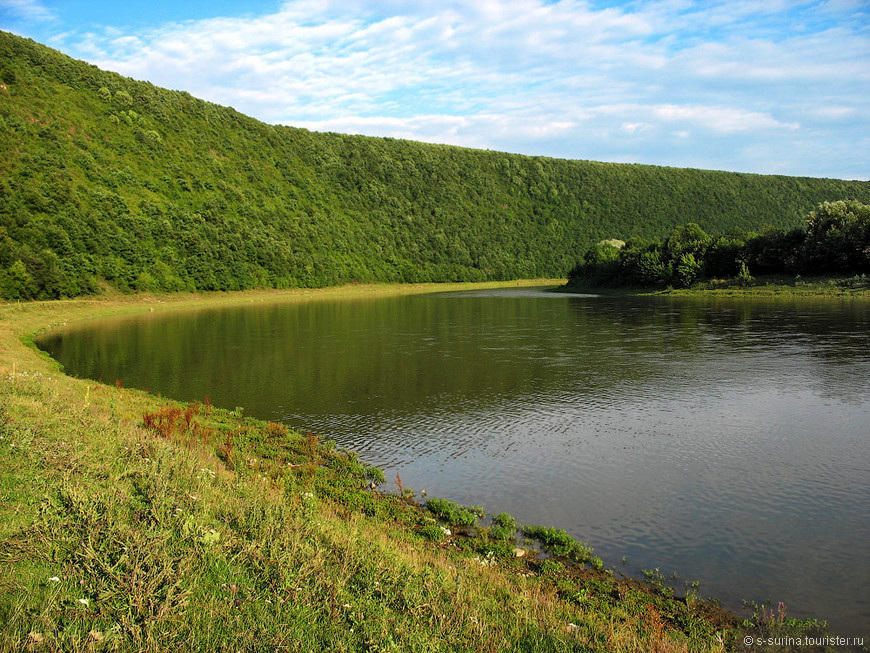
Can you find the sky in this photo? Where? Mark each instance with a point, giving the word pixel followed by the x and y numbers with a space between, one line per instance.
pixel 764 86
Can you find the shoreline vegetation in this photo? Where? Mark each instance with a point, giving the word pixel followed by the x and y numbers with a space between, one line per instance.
pixel 828 255
pixel 771 286
pixel 129 522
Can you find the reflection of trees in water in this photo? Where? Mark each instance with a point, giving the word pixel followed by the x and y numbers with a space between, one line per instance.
pixel 402 353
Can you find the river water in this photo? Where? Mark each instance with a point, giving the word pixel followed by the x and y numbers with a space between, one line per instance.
pixel 720 440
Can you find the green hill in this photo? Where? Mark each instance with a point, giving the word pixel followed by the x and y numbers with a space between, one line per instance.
pixel 106 179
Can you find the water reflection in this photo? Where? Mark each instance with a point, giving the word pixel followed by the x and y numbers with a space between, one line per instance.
pixel 726 440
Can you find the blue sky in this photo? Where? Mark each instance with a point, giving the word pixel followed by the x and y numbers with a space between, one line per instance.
pixel 768 86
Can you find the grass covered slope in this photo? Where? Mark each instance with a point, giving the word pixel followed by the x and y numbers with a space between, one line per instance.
pixel 129 523
pixel 106 179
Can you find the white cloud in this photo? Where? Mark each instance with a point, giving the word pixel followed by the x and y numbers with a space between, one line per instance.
pixel 28 10
pixel 562 78
pixel 725 120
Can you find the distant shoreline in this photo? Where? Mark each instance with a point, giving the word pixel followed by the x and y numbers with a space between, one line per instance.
pixel 762 286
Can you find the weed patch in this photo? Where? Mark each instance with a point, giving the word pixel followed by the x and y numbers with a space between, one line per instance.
pixel 453 513
pixel 557 542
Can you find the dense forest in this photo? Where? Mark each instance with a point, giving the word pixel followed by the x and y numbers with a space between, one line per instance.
pixel 107 181
pixel 834 240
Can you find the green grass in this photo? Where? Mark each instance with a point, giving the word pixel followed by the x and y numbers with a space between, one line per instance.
pixel 131 523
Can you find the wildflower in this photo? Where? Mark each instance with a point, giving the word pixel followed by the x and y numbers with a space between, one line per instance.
pixel 84 602
pixel 54 579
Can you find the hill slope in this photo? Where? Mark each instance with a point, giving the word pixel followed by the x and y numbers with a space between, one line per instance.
pixel 103 178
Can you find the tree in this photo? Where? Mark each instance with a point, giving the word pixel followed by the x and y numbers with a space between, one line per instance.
pixel 16 282
pixel 688 270
pixel 838 237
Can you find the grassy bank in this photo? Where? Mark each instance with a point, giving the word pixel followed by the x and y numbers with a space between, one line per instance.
pixel 133 523
pixel 762 286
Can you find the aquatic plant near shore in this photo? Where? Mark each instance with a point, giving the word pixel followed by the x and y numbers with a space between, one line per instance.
pixel 557 542
pixel 453 513
pixel 504 527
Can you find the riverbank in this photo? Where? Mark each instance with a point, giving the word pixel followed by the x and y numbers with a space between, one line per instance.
pixel 128 522
pixel 763 286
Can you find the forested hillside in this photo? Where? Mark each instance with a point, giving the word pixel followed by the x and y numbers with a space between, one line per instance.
pixel 108 180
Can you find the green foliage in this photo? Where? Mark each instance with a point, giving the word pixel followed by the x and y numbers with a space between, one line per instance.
pixel 836 240
pixel 504 527
pixel 838 237
pixel 109 181
pixel 557 542
pixel 688 270
pixel 432 532
pixel 453 513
